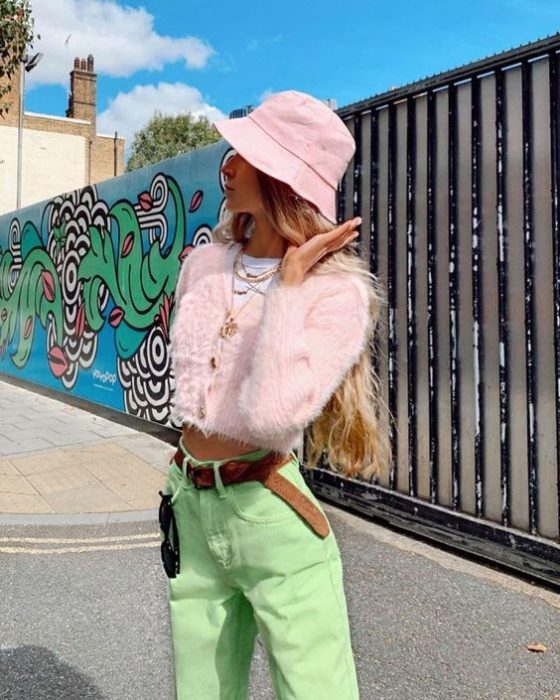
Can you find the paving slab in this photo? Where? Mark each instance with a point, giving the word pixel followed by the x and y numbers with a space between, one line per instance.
pixel 60 464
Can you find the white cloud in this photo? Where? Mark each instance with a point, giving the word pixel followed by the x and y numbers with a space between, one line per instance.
pixel 260 43
pixel 132 110
pixel 122 40
pixel 267 93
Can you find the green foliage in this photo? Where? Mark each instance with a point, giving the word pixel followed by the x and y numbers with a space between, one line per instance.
pixel 166 136
pixel 16 34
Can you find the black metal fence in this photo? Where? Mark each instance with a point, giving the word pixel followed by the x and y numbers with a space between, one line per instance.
pixel 456 179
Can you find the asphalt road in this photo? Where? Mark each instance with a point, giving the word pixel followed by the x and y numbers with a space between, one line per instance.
pixel 83 615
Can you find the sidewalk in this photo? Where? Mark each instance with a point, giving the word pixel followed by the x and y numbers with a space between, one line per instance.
pixel 60 464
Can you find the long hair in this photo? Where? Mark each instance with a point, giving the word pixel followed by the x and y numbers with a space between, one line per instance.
pixel 351 430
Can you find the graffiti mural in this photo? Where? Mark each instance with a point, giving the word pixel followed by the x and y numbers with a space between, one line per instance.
pixel 87 281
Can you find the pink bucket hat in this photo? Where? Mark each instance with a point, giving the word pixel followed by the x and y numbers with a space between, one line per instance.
pixel 297 139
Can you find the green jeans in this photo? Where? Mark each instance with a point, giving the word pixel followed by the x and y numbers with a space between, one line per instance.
pixel 250 564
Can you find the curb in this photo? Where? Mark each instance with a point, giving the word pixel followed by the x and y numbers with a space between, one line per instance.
pixel 124 516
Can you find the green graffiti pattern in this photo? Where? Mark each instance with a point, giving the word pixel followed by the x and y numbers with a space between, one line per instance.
pixel 37 293
pixel 140 284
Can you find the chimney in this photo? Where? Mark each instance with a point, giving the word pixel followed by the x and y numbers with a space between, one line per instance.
pixel 82 102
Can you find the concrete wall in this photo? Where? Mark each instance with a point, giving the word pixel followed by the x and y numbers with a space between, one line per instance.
pixel 107 158
pixel 51 163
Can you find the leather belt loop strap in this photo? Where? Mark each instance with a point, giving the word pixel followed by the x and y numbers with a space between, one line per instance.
pixel 265 471
pixel 299 502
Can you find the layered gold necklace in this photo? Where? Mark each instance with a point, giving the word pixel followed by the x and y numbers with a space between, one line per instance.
pixel 229 327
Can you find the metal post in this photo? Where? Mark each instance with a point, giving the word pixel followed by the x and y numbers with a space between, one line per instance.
pixel 115 146
pixel 20 131
pixel 25 65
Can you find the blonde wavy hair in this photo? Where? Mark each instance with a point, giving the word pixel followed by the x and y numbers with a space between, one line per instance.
pixel 351 430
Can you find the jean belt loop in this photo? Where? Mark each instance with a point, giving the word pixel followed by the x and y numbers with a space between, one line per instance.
pixel 184 466
pixel 185 459
pixel 218 479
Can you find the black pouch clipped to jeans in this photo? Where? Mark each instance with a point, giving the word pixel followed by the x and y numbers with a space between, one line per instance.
pixel 169 550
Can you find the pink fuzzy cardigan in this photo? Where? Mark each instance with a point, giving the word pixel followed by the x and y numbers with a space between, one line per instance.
pixel 293 346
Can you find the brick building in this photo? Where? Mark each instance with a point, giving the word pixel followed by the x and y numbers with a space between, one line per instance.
pixel 59 154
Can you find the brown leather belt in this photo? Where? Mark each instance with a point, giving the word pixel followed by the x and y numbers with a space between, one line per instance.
pixel 265 471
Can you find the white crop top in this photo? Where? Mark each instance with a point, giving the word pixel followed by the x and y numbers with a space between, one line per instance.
pixel 255 266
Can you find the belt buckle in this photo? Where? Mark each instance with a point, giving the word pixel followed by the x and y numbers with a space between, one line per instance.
pixel 191 473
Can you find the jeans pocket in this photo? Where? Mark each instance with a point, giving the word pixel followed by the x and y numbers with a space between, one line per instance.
pixel 254 502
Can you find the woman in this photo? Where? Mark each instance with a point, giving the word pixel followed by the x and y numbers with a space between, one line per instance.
pixel 271 337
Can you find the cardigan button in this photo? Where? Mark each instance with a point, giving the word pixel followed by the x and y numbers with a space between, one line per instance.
pixel 213 363
pixel 201 412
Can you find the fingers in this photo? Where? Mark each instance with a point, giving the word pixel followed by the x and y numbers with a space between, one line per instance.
pixel 343 234
pixel 333 240
pixel 354 223
pixel 345 228
pixel 345 241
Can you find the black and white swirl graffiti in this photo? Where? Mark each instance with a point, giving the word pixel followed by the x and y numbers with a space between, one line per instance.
pixel 147 377
pixel 14 243
pixel 150 210
pixel 69 217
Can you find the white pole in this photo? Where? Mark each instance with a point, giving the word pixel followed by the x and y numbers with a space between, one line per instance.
pixel 20 131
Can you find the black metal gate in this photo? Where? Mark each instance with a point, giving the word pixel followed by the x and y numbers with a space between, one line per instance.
pixel 456 179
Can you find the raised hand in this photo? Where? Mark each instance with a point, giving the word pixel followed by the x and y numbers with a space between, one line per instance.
pixel 298 260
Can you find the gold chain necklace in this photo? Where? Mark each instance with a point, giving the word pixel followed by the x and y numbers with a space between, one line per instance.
pixel 248 277
pixel 253 281
pixel 229 327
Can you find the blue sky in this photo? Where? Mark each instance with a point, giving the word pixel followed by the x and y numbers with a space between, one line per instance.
pixel 211 57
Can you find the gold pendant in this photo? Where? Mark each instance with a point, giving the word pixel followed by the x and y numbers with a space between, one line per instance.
pixel 228 329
